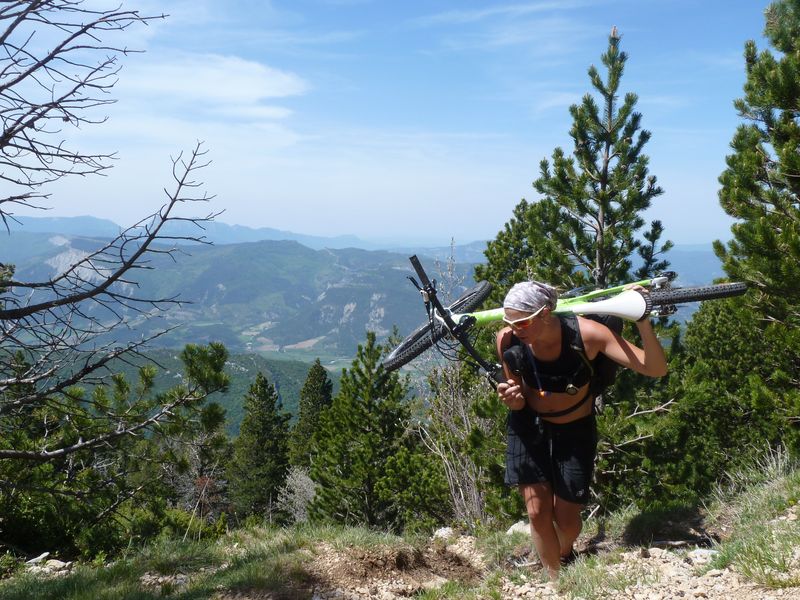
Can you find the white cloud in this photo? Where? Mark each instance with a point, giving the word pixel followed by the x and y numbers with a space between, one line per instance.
pixel 211 79
pixel 181 98
pixel 544 28
pixel 553 37
pixel 461 17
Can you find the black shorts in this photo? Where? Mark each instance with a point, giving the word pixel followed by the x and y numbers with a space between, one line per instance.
pixel 561 454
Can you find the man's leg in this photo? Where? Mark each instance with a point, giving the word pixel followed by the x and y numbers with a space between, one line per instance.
pixel 568 523
pixel 539 504
pixel 573 458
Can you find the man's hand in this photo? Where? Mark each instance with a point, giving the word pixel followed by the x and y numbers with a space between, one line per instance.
pixel 510 393
pixel 638 288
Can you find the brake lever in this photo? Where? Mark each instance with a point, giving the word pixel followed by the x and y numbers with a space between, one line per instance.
pixel 658 282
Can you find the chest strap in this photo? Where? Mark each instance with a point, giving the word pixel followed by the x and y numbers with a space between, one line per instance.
pixel 566 411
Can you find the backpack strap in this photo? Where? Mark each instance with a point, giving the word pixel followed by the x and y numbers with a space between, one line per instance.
pixel 570 321
pixel 566 411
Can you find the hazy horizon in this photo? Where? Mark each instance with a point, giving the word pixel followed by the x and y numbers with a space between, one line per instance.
pixel 378 243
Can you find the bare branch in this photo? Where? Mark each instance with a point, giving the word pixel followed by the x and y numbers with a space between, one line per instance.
pixel 50 80
pixel 71 426
pixel 661 408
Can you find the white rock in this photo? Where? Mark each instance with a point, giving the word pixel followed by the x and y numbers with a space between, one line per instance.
pixel 702 555
pixel 57 565
pixel 521 526
pixel 436 582
pixel 444 533
pixel 39 558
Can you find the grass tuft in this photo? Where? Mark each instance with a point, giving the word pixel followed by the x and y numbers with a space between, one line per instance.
pixel 602 577
pixel 168 557
pixel 763 543
pixel 497 547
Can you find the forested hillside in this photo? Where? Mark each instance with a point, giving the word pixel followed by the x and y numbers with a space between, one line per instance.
pixel 287 376
pixel 267 296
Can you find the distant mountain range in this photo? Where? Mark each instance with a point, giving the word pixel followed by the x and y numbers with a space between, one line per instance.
pixel 222 233
pixel 275 297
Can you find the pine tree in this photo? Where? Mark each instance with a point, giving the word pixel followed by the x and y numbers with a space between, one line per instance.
pixel 584 229
pixel 415 485
pixel 73 504
pixel 360 431
pixel 761 185
pixel 735 385
pixel 315 396
pixel 261 452
pixel 738 382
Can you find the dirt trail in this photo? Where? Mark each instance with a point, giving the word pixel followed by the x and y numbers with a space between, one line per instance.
pixel 664 574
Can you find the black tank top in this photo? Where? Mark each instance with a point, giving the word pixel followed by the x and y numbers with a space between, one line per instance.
pixel 570 368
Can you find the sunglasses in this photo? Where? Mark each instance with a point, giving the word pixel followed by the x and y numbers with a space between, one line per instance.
pixel 524 322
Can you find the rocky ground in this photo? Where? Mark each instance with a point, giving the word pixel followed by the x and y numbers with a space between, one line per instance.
pixel 661 572
pixel 664 574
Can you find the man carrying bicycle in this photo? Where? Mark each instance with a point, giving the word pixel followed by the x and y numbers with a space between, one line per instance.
pixel 551 430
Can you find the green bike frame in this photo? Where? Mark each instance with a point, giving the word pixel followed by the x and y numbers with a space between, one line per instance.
pixel 492 315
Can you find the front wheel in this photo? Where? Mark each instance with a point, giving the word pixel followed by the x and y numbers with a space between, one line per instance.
pixel 695 294
pixel 427 334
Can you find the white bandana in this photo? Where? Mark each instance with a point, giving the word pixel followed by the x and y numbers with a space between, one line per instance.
pixel 530 296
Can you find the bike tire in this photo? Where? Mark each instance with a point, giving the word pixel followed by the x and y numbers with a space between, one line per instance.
pixel 695 294
pixel 423 337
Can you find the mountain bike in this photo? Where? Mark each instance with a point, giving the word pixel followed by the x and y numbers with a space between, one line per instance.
pixel 448 327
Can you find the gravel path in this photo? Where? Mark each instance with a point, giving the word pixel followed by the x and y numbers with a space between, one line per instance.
pixel 659 574
pixel 665 575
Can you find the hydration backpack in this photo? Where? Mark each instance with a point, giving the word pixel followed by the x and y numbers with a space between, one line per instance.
pixel 602 370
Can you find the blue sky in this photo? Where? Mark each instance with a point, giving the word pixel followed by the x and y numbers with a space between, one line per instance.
pixel 415 121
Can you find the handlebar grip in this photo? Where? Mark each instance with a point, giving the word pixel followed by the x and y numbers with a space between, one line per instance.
pixel 423 276
pixel 496 376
